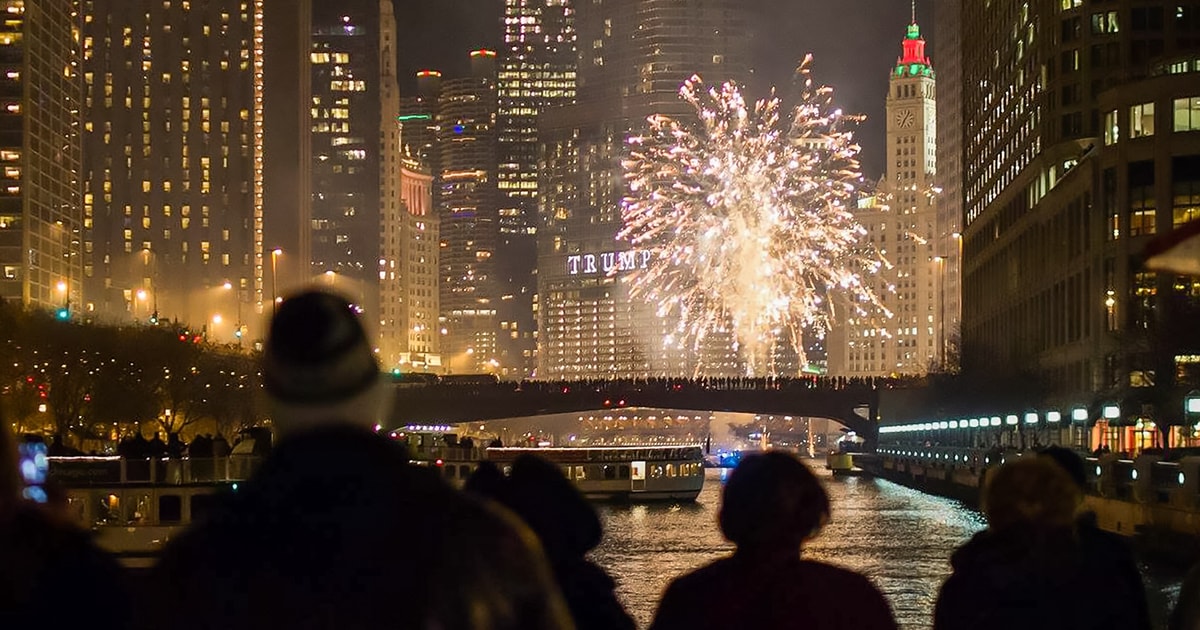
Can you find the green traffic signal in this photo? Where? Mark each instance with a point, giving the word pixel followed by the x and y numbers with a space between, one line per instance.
pixel 62 314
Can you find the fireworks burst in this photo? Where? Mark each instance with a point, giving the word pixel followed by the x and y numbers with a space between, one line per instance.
pixel 748 220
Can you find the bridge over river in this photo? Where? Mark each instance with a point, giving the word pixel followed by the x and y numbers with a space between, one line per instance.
pixel 855 404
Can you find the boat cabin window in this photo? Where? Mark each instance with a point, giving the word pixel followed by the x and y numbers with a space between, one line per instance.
pixel 670 470
pixel 580 472
pixel 77 508
pixel 623 472
pixel 448 472
pixel 200 504
pixel 656 471
pixel 170 508
pixel 137 507
pixel 464 471
pixel 109 510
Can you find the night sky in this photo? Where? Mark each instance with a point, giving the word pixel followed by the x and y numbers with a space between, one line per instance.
pixel 854 44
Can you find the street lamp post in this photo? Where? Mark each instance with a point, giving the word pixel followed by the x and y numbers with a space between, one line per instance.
pixel 275 254
pixel 238 307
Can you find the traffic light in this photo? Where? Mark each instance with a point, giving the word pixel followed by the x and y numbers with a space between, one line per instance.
pixel 62 314
pixel 154 318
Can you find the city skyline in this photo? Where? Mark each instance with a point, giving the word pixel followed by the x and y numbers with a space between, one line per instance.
pixel 853 44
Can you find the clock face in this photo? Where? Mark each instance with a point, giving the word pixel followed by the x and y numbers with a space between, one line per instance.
pixel 905 118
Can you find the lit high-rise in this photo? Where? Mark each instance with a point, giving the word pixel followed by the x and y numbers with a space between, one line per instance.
pixel 1080 124
pixel 537 72
pixel 173 154
pixel 468 205
pixel 41 223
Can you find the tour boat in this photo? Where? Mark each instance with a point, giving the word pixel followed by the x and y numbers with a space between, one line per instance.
pixel 602 473
pixel 134 506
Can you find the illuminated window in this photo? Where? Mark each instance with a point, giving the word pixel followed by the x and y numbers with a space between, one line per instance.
pixel 1111 132
pixel 1187 113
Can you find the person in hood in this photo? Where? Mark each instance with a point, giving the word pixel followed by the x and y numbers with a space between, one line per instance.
pixel 336 529
pixel 1029 568
pixel 568 528
pixel 772 504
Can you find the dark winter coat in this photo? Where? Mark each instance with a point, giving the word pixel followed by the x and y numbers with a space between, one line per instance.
pixel 1032 577
pixel 53 576
pixel 748 592
pixel 337 530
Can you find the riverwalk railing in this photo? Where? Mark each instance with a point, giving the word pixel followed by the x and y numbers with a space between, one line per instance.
pixel 1146 480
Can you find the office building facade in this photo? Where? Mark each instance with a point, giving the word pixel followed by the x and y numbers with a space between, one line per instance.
pixel 173 162
pixel 41 222
pixel 537 73
pixel 633 58
pixel 1080 146
pixel 349 138
pixel 468 206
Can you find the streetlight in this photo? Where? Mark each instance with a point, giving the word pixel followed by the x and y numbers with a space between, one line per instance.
pixel 275 254
pixel 64 311
pixel 237 298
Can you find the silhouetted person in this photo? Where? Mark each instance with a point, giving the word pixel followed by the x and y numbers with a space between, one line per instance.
pixel 57 448
pixel 156 447
pixel 1028 569
pixel 220 446
pixel 1105 553
pixel 568 527
pixel 174 447
pixel 488 482
pixel 772 505
pixel 1186 615
pixel 335 529
pixel 51 574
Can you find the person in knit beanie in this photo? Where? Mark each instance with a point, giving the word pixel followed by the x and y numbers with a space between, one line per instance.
pixel 336 529
pixel 318 367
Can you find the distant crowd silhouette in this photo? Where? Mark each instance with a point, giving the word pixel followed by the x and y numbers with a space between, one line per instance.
pixel 336 529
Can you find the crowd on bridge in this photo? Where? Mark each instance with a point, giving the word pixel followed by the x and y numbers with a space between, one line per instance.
pixel 336 529
pixel 617 386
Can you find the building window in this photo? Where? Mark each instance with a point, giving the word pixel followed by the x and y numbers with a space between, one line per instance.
pixel 1141 211
pixel 1141 120
pixel 1187 113
pixel 1111 131
pixel 1187 202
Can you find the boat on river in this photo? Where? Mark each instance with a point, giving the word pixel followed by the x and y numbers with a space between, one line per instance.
pixel 134 506
pixel 601 473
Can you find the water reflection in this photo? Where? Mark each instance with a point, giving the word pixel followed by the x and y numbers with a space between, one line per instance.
pixel 902 539
pixel 899 537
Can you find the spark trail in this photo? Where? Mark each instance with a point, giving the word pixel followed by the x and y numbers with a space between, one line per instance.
pixel 748 219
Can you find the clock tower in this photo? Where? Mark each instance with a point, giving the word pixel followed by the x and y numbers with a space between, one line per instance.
pixel 902 223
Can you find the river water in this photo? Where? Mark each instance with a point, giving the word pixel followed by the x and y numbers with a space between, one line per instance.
pixel 900 538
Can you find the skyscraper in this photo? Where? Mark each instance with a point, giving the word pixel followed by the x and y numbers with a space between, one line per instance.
pixel 1080 126
pixel 346 188
pixel 468 205
pixel 173 151
pixel 410 336
pixel 537 72
pixel 287 139
pixel 408 241
pixel 948 53
pixel 41 223
pixel 902 222
pixel 633 57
